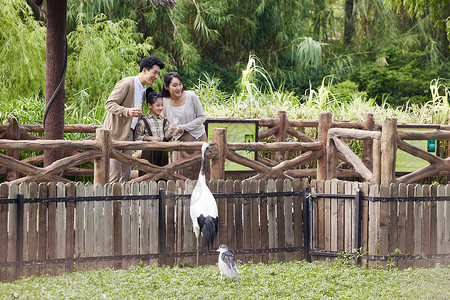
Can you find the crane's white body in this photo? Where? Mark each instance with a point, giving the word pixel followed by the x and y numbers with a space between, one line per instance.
pixel 227 266
pixel 203 207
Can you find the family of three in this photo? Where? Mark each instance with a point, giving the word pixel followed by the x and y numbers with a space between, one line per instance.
pixel 173 114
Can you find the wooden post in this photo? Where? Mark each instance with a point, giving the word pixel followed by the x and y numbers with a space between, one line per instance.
pixel 281 135
pixel 324 126
pixel 368 144
pixel 331 158
pixel 13 134
pixel 376 161
pixel 20 224
pixel 101 165
pixel 388 150
pixel 218 160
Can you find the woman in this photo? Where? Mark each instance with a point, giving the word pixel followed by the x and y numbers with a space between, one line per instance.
pixel 184 109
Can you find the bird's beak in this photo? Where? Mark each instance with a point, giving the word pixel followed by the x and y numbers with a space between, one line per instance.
pixel 218 250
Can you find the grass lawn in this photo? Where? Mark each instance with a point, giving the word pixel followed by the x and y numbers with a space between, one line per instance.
pixel 294 280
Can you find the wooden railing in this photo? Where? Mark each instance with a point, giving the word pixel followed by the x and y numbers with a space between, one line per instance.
pixel 323 153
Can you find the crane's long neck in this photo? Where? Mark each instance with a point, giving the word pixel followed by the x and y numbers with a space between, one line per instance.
pixel 203 167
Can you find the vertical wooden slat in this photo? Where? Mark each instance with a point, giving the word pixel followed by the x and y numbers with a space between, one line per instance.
pixel 447 221
pixel 409 238
pixel 271 216
pixel 348 227
pixel 327 217
pixel 180 221
pixel 144 206
pixel 12 233
pixel 364 222
pixel 42 233
pixel 280 219
pixel 384 211
pixel 134 219
pixel 80 225
pixel 32 227
pixel 418 192
pixel 3 230
pixel 433 221
pixel 188 242
pixel 52 225
pixel 90 221
pixel 70 224
pixel 247 220
pixel 334 217
pixel 373 224
pixel 264 231
pixel 60 227
pixel 254 188
pixel 126 225
pixel 116 218
pixel 440 225
pixel 402 192
pixel 288 223
pixel 223 213
pixel 393 222
pixel 170 224
pixel 101 228
pixel 238 218
pixel 211 254
pixel 341 217
pixel 298 224
pixel 23 189
pixel 153 223
pixel 426 224
pixel 319 220
pixel 231 229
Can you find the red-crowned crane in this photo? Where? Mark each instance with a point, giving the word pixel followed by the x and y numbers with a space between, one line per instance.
pixel 203 208
pixel 227 266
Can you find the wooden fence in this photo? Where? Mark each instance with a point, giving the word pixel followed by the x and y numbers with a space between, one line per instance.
pixel 68 227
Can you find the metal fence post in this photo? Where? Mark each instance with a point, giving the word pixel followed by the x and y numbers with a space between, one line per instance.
pixel 306 226
pixel 162 227
pixel 358 224
pixel 19 245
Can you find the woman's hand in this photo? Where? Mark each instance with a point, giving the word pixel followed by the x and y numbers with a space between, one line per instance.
pixel 152 139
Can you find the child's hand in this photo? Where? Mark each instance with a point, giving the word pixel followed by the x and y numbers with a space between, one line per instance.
pixel 152 139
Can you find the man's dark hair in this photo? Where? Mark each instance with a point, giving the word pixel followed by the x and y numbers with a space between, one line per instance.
pixel 149 62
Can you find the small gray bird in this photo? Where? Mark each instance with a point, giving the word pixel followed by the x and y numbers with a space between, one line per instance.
pixel 227 266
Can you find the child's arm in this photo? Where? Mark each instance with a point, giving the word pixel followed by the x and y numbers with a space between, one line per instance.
pixel 141 133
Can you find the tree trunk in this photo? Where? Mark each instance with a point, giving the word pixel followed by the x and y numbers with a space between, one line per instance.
pixel 56 52
pixel 348 26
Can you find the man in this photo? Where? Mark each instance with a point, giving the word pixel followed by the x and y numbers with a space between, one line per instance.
pixel 123 109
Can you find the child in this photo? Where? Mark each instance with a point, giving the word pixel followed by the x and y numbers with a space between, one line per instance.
pixel 152 127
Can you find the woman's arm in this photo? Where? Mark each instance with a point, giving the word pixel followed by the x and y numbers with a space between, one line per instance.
pixel 199 115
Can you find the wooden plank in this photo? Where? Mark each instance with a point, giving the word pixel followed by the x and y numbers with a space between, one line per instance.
pixel 247 220
pixel 440 225
pixel 32 227
pixel 188 242
pixel 348 227
pixel 153 223
pixel 3 230
pixel 51 232
pixel 144 244
pixel 231 228
pixel 298 222
pixel 271 214
pixel 116 225
pixel 254 188
pixel 319 235
pixel 100 227
pixel 211 254
pixel 393 221
pixel 180 221
pixel 134 219
pixel 288 223
pixel 341 217
pixel 170 218
pixel 126 224
pixel 418 192
pixel 23 189
pixel 60 227
pixel 90 223
pixel 70 224
pixel 409 239
pixel 365 223
pixel 426 224
pixel 238 219
pixel 373 225
pixel 12 232
pixel 384 213
pixel 447 221
pixel 80 226
pixel 433 222
pixel 42 227
pixel 402 192
pixel 327 217
pixel 280 219
pixel 264 231
pixel 333 217
pixel 223 213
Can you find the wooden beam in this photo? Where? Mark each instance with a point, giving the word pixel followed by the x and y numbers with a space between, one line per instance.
pixel 388 150
pixel 242 160
pixel 415 151
pixel 355 134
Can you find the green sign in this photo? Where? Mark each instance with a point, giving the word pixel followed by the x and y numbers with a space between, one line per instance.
pixel 406 162
pixel 237 132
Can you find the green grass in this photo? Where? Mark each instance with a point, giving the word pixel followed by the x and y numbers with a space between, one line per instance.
pixel 294 280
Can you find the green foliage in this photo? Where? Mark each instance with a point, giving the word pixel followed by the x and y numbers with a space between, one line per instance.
pixel 293 280
pixel 22 52
pixel 101 54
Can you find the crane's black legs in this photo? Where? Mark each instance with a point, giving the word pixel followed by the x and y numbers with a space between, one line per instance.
pixel 197 251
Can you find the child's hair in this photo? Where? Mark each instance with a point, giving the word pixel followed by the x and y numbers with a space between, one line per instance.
pixel 151 96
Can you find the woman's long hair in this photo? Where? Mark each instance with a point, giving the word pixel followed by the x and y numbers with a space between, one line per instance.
pixel 167 80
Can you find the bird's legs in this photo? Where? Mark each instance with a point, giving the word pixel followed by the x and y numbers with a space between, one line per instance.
pixel 197 251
